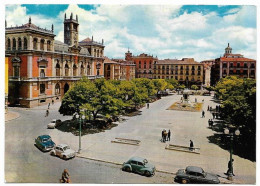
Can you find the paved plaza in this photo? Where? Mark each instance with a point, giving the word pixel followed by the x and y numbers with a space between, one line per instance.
pixel 147 127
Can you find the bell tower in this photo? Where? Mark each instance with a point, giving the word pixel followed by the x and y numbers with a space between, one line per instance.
pixel 71 29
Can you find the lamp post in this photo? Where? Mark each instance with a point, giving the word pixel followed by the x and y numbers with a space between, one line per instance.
pixel 230 166
pixel 80 119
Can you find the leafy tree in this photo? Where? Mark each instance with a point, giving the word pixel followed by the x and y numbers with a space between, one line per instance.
pixel 159 84
pixel 194 87
pixel 172 84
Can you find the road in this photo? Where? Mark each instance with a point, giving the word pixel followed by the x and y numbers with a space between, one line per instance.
pixel 24 163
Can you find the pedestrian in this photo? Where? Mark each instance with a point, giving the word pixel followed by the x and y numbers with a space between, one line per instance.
pixel 208 107
pixel 49 105
pixel 195 100
pixel 47 113
pixel 65 177
pixel 213 114
pixel 209 122
pixel 162 135
pixel 203 114
pixel 52 101
pixel 203 100
pixel 191 145
pixel 147 105
pixel 230 168
pixel 169 135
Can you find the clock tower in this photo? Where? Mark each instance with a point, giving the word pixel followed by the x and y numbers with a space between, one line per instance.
pixel 71 29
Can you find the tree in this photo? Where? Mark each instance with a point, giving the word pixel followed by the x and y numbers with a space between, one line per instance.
pixel 194 87
pixel 159 84
pixel 172 84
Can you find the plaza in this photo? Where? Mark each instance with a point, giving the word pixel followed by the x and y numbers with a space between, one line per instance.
pixel 147 127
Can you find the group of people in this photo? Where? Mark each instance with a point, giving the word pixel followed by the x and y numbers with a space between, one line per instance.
pixel 166 136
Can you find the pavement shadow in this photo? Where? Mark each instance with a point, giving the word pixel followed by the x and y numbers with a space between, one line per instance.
pixel 240 147
pixel 91 127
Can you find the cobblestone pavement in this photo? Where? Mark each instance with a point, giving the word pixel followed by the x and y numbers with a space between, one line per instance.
pixel 147 128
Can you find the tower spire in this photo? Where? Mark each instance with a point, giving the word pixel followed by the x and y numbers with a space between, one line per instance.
pixel 71 15
pixel 77 18
pixel 52 27
pixel 5 24
pixel 30 20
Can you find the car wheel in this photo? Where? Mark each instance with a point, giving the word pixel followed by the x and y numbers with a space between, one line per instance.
pixel 52 153
pixel 147 173
pixel 64 157
pixel 127 169
pixel 184 181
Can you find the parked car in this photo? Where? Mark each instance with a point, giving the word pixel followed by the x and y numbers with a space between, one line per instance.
pixel 54 123
pixel 194 174
pixel 139 165
pixel 44 142
pixel 63 151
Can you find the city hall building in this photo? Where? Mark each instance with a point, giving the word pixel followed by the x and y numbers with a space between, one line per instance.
pixel 42 69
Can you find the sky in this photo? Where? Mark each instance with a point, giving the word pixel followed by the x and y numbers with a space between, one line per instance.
pixel 167 31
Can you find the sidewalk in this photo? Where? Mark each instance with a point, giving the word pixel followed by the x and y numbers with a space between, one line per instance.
pixel 10 115
pixel 147 128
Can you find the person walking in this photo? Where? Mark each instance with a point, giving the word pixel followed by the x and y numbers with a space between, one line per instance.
pixel 49 105
pixel 213 114
pixel 230 168
pixel 208 107
pixel 169 135
pixel 52 101
pixel 65 177
pixel 47 113
pixel 203 114
pixel 191 145
pixel 147 105
pixel 162 135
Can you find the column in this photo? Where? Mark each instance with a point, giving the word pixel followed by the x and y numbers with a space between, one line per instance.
pixel 29 66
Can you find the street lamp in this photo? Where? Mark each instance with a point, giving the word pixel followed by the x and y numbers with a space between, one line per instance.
pixel 80 119
pixel 231 134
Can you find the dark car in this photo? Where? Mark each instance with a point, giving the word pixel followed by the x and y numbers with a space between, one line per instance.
pixel 139 165
pixel 194 174
pixel 44 142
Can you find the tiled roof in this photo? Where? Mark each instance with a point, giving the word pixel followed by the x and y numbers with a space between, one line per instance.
pixel 109 61
pixel 236 59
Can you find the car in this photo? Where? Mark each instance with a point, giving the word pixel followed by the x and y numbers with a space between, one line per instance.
pixel 63 151
pixel 193 174
pixel 139 165
pixel 44 142
pixel 54 123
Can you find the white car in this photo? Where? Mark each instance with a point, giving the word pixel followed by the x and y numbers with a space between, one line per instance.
pixel 63 151
pixel 54 123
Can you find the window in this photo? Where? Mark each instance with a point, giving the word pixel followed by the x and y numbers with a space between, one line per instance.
pixel 140 163
pixel 187 72
pixel 199 67
pixel 16 69
pixel 14 44
pixel 193 68
pixel 245 65
pixel 82 70
pixel 144 64
pixel 57 89
pixel 35 43
pixel 224 65
pixel 42 73
pixel 139 64
pixel 238 65
pixel 19 44
pixel 252 65
pixel 74 70
pixel 176 77
pixel 150 64
pixel 98 72
pixel 8 44
pixel 42 88
pixel 198 72
pixel 88 69
pixel 48 45
pixel 58 69
pixel 134 162
pixel 231 65
pixel 252 72
pixel 66 70
pixel 193 72
pixel 181 67
pixel 25 44
pixel 42 44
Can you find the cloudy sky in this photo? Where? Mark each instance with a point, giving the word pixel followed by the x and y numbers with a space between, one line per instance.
pixel 166 31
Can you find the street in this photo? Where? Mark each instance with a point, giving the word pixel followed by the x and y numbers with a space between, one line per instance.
pixel 26 163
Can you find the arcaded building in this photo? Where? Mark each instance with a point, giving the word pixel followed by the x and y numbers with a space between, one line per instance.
pixel 232 64
pixel 42 69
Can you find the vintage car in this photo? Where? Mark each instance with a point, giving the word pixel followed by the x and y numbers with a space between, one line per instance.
pixel 194 174
pixel 63 151
pixel 54 123
pixel 139 165
pixel 44 142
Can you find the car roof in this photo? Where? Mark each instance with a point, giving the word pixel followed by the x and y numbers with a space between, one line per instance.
pixel 137 159
pixel 194 169
pixel 62 145
pixel 44 136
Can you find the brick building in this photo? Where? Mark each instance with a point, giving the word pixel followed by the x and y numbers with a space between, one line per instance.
pixel 232 64
pixel 111 69
pixel 186 71
pixel 144 64
pixel 42 69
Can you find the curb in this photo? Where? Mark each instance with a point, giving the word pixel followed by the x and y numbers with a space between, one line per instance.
pixel 115 163
pixel 161 171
